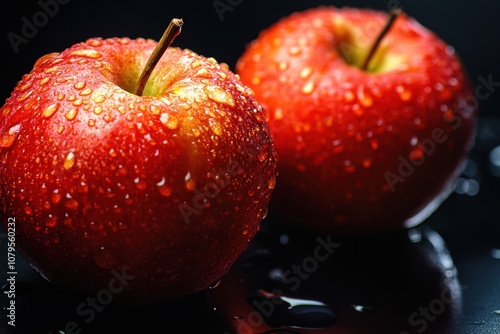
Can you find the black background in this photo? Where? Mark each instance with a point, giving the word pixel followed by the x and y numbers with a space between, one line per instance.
pixel 470 225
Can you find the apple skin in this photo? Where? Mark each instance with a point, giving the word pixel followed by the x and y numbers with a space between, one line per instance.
pixel 168 188
pixel 360 151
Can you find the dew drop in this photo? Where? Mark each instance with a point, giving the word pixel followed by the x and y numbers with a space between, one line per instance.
pixel 215 127
pixel 93 54
pixel 51 221
pixel 295 50
pixel 203 73
pixel 169 121
pixel 86 92
pixel 365 99
pixel 404 94
pixel 91 122
pixel 79 85
pixel 69 161
pixel 77 102
pixel 8 138
pixel 44 81
pixel 165 191
pixel 283 65
pixel 50 110
pixel 272 182
pixel 99 98
pixel 28 210
pixel 217 94
pixel 141 185
pixel 305 72
pixel 416 154
pixel 308 88
pixel 70 115
pixel 56 197
pixel 71 204
pixel 367 163
pixel 278 114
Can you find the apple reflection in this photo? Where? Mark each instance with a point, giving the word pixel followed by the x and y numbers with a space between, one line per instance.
pixel 293 281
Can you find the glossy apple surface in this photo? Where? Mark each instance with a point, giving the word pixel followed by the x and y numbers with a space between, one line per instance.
pixel 360 150
pixel 164 189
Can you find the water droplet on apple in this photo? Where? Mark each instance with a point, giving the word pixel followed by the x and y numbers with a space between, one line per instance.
pixel 8 137
pixel 71 204
pixel 170 121
pixel 220 95
pixel 404 94
pixel 283 65
pixel 93 54
pixel 367 163
pixel 262 155
pixel 305 72
pixel 140 184
pixel 99 98
pixel 272 182
pixel 79 85
pixel 215 127
pixel 416 154
pixel 165 191
pixel 94 42
pixel 195 64
pixel 295 50
pixel 50 110
pixel 112 153
pixel 365 99
pixel 308 88
pixel 69 161
pixel 203 73
pixel 104 258
pixel 56 197
pixel 28 210
pixel 51 221
pixel 450 50
pixel 83 188
pixel 91 122
pixel 374 144
pixel 86 92
pixel 71 114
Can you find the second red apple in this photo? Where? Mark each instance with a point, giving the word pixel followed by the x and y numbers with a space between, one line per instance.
pixel 361 149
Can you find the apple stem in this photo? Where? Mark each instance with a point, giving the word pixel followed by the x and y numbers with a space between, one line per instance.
pixel 392 18
pixel 173 29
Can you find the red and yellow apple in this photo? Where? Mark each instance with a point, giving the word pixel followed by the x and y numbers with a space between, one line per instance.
pixel 167 187
pixel 362 147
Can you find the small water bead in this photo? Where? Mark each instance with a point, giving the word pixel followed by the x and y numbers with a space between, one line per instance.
pixel 69 161
pixel 308 88
pixel 50 110
pixel 218 94
pixel 8 138
pixel 71 204
pixel 93 54
pixel 170 121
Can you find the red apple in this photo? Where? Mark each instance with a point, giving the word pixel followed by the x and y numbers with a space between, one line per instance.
pixel 158 193
pixel 361 149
